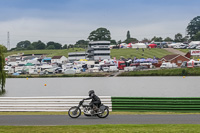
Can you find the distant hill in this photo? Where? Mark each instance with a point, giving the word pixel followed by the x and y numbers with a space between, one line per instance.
pixel 118 53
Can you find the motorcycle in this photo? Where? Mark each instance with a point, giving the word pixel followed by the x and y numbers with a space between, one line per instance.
pixel 101 112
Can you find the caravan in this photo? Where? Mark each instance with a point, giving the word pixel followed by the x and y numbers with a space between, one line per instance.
pixel 192 63
pixel 168 65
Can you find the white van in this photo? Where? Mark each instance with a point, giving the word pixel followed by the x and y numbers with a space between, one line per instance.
pixel 168 65
pixel 114 69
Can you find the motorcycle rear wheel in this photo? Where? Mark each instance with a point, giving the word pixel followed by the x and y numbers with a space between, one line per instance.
pixel 104 114
pixel 74 112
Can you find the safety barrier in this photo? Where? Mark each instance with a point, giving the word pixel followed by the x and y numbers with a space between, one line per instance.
pixel 53 104
pixel 156 104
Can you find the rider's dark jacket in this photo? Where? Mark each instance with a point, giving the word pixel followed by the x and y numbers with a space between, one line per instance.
pixel 95 99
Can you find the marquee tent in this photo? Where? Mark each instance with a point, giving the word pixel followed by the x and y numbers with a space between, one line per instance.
pixel 139 45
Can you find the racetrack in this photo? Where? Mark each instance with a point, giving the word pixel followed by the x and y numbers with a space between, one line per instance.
pixel 112 119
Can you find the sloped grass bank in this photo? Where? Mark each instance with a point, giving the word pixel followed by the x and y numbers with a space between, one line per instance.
pixel 49 53
pixel 165 72
pixel 118 53
pixel 131 53
pixel 61 75
pixel 142 128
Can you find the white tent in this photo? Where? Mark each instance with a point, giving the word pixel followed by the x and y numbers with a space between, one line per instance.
pixel 139 45
pixel 194 42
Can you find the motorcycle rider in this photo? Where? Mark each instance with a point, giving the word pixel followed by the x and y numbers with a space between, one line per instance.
pixel 95 100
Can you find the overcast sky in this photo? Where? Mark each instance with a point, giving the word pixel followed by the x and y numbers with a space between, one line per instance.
pixel 67 21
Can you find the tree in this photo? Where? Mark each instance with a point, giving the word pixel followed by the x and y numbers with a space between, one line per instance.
pixel 193 27
pixel 186 39
pixel 157 39
pixel 2 72
pixel 129 39
pixel 168 39
pixel 71 46
pixel 4 49
pixel 145 40
pixel 23 44
pixel 113 42
pixel 38 45
pixel 30 47
pixel 50 47
pixel 56 45
pixel 128 35
pixel 119 42
pixel 178 37
pixel 100 34
pixel 81 44
pixel 65 46
pixel 197 37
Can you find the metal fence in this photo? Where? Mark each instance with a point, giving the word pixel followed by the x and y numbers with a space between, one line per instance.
pixel 45 103
pixel 156 103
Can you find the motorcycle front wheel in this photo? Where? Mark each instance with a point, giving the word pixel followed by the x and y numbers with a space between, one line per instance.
pixel 104 114
pixel 74 112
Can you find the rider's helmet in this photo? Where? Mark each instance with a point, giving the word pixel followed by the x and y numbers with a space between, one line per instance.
pixel 91 92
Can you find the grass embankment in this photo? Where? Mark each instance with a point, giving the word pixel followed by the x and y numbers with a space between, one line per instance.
pixel 111 113
pixel 185 50
pixel 165 72
pixel 131 53
pixel 123 128
pixel 61 75
pixel 118 53
pixel 49 53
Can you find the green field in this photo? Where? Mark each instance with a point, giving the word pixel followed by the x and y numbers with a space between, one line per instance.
pixel 103 74
pixel 118 53
pixel 50 53
pixel 185 50
pixel 111 113
pixel 165 72
pixel 139 128
pixel 131 53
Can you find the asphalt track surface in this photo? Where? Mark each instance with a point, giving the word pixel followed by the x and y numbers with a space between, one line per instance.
pixel 24 120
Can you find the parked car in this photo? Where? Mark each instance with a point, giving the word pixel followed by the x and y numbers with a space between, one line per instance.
pixel 168 65
pixel 184 64
pixel 69 71
pixel 42 73
pixel 113 69
pixel 198 47
pixel 58 70
pixel 19 71
pixel 33 72
pixel 183 46
pixel 129 68
pixel 141 68
pixel 106 69
pixel 94 69
pixel 192 46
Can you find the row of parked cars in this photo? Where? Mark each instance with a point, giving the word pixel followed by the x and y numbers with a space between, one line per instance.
pixel 186 46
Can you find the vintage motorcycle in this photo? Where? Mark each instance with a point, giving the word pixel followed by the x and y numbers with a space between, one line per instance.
pixel 101 112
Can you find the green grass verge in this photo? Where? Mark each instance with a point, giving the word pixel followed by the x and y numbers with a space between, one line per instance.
pixel 142 128
pixel 131 53
pixel 118 53
pixel 165 72
pixel 49 53
pixel 111 113
pixel 185 50
pixel 61 75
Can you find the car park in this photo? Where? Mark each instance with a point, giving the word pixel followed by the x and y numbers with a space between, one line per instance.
pixel 141 68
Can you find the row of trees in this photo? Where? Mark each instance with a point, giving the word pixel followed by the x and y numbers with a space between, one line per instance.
pixel 193 30
pixel 27 45
pixel 2 72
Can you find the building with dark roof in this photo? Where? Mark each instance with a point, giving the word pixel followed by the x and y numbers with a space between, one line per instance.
pixel 176 58
pixel 59 59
